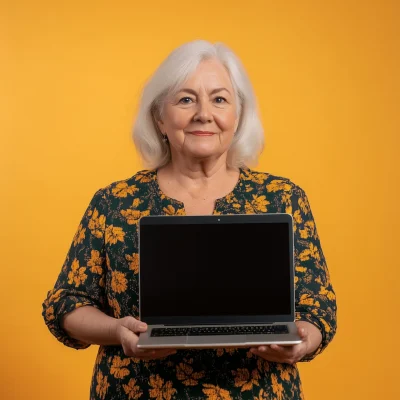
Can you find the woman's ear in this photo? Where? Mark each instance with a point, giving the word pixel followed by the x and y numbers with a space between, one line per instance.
pixel 157 118
pixel 236 124
pixel 160 125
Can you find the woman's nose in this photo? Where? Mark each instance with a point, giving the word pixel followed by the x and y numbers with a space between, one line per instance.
pixel 203 112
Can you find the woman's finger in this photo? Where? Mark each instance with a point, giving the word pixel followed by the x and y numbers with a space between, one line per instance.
pixel 278 353
pixel 284 349
pixel 293 352
pixel 278 348
pixel 268 355
pixel 303 333
pixel 135 325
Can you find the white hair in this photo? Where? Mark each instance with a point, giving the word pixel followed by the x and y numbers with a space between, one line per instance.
pixel 248 141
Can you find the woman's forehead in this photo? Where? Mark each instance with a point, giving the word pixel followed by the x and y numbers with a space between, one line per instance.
pixel 210 75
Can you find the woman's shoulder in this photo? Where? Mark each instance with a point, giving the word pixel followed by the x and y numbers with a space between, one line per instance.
pixel 134 186
pixel 270 182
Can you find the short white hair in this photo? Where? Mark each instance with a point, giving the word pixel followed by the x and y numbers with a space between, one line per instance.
pixel 248 141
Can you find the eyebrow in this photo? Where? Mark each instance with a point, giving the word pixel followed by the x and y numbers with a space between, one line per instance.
pixel 216 90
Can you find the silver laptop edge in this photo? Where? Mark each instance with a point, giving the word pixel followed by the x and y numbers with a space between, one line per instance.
pixel 207 341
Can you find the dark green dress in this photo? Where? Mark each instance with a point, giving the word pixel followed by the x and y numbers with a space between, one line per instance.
pixel 101 270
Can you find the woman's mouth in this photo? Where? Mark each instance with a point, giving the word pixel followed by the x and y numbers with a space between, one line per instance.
pixel 202 133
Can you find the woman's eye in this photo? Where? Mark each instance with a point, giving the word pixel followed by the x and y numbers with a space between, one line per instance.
pixel 184 100
pixel 220 98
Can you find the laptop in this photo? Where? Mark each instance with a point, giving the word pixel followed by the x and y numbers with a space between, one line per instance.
pixel 216 281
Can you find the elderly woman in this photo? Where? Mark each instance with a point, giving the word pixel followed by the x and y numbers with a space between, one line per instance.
pixel 198 132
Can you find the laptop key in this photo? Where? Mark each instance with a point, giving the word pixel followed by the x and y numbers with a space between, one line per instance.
pixel 220 330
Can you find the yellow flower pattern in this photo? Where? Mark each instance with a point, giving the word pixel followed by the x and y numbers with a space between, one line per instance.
pixel 308 231
pixel 118 367
pixel 114 234
pixel 277 387
pixel 278 184
pixel 185 373
pixel 284 372
pixel 113 303
pixel 102 269
pixel 122 189
pixel 132 390
pixel 118 282
pixel 132 216
pixel 170 210
pixel 102 385
pixel 259 203
pixel 161 391
pixel 77 274
pixel 79 235
pixel 216 393
pixel 96 262
pixel 133 262
pixel 50 313
pixel 244 380
pixel 97 224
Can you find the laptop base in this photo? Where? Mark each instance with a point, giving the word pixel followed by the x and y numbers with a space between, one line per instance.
pixel 146 341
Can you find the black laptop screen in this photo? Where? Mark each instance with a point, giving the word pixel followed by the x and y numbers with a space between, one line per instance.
pixel 215 270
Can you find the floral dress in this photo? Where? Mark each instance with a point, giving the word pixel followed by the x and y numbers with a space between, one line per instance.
pixel 101 270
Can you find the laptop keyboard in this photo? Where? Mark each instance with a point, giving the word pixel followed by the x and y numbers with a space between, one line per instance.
pixel 220 330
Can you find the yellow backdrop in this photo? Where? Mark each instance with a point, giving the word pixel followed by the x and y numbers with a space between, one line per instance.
pixel 327 78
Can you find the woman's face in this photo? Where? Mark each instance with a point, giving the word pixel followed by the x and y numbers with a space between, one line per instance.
pixel 200 120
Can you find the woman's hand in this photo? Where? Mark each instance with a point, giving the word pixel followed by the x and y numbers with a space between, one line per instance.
pixel 126 331
pixel 310 340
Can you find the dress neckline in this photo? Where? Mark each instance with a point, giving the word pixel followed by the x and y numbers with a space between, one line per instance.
pixel 181 203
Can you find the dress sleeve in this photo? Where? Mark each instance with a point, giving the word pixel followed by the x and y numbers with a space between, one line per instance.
pixel 82 277
pixel 315 299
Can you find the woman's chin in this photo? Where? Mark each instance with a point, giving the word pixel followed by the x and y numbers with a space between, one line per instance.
pixel 204 153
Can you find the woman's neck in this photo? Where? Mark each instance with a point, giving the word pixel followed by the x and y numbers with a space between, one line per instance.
pixel 197 179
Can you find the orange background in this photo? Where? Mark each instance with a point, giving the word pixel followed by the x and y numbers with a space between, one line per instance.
pixel 327 78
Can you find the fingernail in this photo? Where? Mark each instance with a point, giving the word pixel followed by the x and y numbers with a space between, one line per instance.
pixel 142 325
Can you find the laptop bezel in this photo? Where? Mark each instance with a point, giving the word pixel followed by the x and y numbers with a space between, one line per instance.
pixel 217 219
